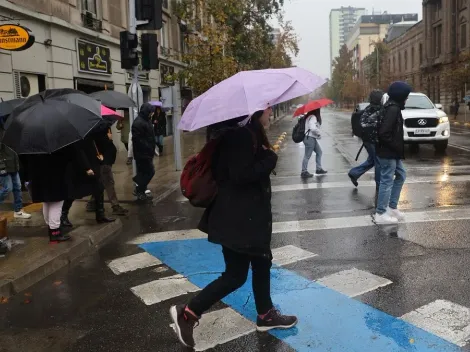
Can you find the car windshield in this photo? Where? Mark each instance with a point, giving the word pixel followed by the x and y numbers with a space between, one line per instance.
pixel 419 102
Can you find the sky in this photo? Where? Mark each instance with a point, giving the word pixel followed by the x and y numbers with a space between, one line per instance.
pixel 310 19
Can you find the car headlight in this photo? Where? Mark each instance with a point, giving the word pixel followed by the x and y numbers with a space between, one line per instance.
pixel 443 119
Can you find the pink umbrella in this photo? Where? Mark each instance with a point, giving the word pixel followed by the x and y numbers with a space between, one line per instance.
pixel 247 92
pixel 109 112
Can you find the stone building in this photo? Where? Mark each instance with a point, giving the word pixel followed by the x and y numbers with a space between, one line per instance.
pixel 69 34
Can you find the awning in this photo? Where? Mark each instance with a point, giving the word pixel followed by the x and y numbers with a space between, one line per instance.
pixel 94 83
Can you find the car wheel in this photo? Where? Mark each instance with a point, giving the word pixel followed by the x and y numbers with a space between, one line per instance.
pixel 441 146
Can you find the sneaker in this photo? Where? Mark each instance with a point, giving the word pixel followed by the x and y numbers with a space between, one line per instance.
pixel 321 172
pixel 184 324
pixel 22 215
pixel 157 152
pixel 385 219
pixel 275 320
pixel 395 213
pixel 118 210
pixel 306 174
pixel 353 180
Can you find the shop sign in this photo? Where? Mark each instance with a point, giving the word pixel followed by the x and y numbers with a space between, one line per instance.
pixel 15 38
pixel 167 74
pixel 93 58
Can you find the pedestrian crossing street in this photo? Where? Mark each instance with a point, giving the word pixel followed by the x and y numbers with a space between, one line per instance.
pixel 446 321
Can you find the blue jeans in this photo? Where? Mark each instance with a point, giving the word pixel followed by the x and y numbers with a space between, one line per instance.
pixel 371 161
pixel 159 140
pixel 311 145
pixel 9 183
pixel 392 178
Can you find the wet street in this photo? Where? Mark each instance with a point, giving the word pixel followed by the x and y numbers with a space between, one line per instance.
pixel 355 286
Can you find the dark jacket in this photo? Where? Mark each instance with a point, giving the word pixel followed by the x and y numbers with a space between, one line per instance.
pixel 106 148
pixel 10 159
pixel 47 174
pixel 391 142
pixel 240 217
pixel 159 124
pixel 143 137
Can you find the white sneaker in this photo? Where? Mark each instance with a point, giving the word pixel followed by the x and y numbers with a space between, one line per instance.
pixel 22 215
pixel 147 192
pixel 385 219
pixel 156 152
pixel 395 213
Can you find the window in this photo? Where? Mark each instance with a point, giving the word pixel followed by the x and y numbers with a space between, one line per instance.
pixel 437 10
pixel 412 57
pixel 165 4
pixel 164 41
pixel 394 62
pixel 462 4
pixel 406 60
pixel 463 35
pixel 420 54
pixel 437 40
pixel 89 6
pixel 399 62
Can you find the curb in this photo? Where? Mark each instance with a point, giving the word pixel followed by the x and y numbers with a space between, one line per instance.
pixel 85 239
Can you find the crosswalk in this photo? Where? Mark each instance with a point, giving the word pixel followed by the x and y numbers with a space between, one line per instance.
pixel 447 324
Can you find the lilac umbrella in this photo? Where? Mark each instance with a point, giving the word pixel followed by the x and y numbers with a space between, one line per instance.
pixel 156 103
pixel 247 92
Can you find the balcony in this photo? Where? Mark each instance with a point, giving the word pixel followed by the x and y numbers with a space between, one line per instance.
pixel 89 21
pixel 165 51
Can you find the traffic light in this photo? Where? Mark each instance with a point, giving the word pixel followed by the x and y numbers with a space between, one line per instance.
pixel 149 51
pixel 129 55
pixel 151 11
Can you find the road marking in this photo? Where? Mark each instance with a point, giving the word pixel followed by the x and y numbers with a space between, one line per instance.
pixel 445 319
pixel 459 147
pixel 290 254
pixel 328 320
pixel 163 289
pixel 462 213
pixel 229 326
pixel 132 263
pixel 353 282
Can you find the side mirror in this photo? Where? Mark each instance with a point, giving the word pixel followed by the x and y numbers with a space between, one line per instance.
pixel 438 106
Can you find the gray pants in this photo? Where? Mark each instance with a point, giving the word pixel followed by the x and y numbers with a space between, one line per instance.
pixel 107 179
pixel 311 145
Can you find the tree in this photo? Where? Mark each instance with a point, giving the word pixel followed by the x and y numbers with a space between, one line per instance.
pixel 376 67
pixel 457 74
pixel 343 71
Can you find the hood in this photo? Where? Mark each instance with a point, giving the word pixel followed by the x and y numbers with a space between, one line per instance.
pixel 145 111
pixel 399 92
pixel 375 97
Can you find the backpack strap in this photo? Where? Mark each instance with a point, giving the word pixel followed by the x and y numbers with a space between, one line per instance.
pixel 359 152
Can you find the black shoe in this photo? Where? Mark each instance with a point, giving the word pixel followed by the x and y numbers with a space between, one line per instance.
pixel 353 180
pixel 118 210
pixel 56 236
pixel 65 222
pixel 184 325
pixel 321 172
pixel 90 207
pixel 129 161
pixel 275 320
pixel 306 174
pixel 102 219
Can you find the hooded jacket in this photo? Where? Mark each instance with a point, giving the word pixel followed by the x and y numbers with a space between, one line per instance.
pixel 391 142
pixel 143 138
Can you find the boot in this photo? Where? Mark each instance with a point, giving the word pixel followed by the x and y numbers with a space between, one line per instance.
pixel 56 236
pixel 100 215
pixel 118 210
pixel 64 220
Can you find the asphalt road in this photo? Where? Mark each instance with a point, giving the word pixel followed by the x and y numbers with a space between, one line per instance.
pixel 355 286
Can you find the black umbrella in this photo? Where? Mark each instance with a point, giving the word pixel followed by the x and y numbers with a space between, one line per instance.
pixel 6 107
pixel 50 121
pixel 114 100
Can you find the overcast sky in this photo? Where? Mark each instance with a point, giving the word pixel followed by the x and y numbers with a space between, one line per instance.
pixel 311 22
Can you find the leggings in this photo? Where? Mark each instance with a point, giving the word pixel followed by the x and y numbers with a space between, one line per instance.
pixel 52 212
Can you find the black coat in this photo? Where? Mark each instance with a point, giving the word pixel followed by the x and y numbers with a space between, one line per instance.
pixel 106 148
pixel 240 217
pixel 391 142
pixel 10 158
pixel 143 138
pixel 159 124
pixel 48 176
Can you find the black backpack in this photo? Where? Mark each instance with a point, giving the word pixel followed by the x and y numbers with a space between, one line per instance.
pixel 356 123
pixel 298 132
pixel 369 122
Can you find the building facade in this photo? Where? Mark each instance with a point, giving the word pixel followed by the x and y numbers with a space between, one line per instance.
pixel 342 20
pixel 70 37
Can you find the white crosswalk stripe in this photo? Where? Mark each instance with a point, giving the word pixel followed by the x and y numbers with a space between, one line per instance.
pixel 445 319
pixel 133 262
pixel 229 326
pixel 353 282
pixel 290 254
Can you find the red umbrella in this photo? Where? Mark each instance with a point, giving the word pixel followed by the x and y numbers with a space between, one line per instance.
pixel 312 105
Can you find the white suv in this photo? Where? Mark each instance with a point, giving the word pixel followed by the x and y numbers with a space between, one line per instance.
pixel 424 122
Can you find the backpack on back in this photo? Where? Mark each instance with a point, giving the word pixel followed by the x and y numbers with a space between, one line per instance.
pixel 356 123
pixel 369 122
pixel 298 132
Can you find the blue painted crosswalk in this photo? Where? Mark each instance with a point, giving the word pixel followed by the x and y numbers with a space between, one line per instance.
pixel 328 320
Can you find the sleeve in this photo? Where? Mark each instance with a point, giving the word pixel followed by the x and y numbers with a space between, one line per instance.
pixel 244 168
pixel 387 127
pixel 81 157
pixel 313 126
pixel 119 125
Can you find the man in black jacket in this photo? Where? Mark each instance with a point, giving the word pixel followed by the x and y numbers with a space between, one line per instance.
pixel 390 152
pixel 143 140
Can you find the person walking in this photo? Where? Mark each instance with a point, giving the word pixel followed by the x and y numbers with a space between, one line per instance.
pixel 369 117
pixel 10 181
pixel 456 108
pixel 312 127
pixel 104 142
pixel 390 153
pixel 124 127
pixel 159 127
pixel 143 140
pixel 240 220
